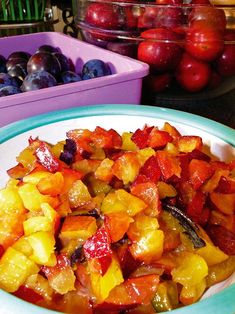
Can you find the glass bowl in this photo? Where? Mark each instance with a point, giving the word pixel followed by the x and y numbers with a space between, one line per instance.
pixel 190 47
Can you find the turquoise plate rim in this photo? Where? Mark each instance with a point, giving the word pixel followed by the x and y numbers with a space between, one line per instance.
pixel 222 302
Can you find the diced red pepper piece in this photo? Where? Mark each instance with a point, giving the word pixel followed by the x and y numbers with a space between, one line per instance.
pixel 222 238
pixel 199 172
pixel 141 137
pixel 131 293
pixel 158 138
pixel 28 295
pixel 106 138
pixel 46 158
pixel 151 169
pixel 169 165
pixel 197 210
pixel 98 247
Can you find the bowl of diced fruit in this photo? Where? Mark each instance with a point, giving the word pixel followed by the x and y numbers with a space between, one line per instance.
pixel 117 209
pixel 189 45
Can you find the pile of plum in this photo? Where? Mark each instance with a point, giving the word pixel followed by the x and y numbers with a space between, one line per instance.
pixel 47 67
pixel 187 45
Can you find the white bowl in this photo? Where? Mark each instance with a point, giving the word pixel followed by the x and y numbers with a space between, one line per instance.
pixel 53 126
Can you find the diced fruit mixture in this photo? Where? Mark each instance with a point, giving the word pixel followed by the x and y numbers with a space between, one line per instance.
pixel 102 222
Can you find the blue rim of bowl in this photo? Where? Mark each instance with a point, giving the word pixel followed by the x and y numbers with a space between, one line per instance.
pixel 222 302
pixel 214 128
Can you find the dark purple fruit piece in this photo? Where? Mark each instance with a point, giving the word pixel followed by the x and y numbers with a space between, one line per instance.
pixel 63 60
pixel 19 71
pixel 95 68
pixel 43 61
pixel 69 77
pixel 125 49
pixel 38 80
pixel 47 48
pixel 19 54
pixel 7 80
pixel 12 62
pixel 3 68
pixel 9 90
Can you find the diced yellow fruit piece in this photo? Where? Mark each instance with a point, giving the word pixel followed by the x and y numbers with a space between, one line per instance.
pixel 98 153
pixel 122 201
pixel 212 254
pixel 191 269
pixel 40 285
pixel 38 223
pixel 22 245
pixel 51 261
pixel 58 148
pixel 78 194
pixel 15 267
pixel 147 239
pixel 49 212
pixel 35 177
pixel 27 157
pixel 166 190
pixel 12 215
pixel 97 186
pixel 33 203
pixel 43 246
pixel 64 281
pixel 191 294
pixel 86 166
pixel 126 167
pixel 127 143
pixel 12 183
pixel 10 202
pixel 102 285
pixel 188 143
pixel 149 247
pixel 171 148
pixel 103 172
pixel 144 154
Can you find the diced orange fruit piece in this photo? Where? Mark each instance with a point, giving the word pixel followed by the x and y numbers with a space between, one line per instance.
pixel 122 201
pixel 223 202
pixel 126 167
pixel 188 143
pixel 78 194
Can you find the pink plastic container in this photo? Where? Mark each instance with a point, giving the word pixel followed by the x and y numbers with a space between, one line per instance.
pixel 122 87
